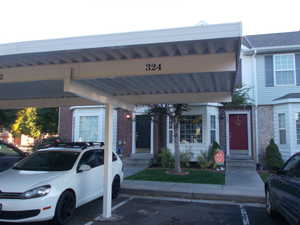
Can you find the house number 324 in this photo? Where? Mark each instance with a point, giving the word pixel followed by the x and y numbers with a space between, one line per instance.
pixel 153 67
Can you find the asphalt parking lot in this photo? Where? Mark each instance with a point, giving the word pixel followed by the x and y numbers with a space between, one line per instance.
pixel 155 211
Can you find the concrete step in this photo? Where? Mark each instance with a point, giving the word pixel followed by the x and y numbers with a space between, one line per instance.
pixel 138 160
pixel 239 157
pixel 239 152
pixel 241 163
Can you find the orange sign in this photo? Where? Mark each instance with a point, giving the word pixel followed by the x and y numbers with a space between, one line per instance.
pixel 219 157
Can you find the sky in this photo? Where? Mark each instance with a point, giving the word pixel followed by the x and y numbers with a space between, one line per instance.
pixel 24 20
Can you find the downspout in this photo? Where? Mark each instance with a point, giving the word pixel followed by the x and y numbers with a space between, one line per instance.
pixel 256 105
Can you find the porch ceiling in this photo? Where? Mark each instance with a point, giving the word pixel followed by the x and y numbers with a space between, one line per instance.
pixel 197 64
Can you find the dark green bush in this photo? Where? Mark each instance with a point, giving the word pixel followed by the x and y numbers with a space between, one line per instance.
pixel 273 159
pixel 166 158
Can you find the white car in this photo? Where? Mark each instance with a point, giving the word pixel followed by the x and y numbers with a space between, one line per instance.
pixel 51 183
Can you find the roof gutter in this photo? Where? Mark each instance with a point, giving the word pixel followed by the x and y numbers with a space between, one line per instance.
pixel 266 50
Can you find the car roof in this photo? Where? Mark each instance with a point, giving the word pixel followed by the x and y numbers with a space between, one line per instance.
pixel 73 149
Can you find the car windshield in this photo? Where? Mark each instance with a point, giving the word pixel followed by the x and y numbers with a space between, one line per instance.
pixel 48 161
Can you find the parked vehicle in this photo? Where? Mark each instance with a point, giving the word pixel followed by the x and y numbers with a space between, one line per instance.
pixel 51 183
pixel 9 155
pixel 283 191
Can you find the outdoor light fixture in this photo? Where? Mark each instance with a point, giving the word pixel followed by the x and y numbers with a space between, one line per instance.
pixel 128 116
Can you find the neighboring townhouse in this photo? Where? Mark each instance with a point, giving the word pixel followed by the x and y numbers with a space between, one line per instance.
pixel 271 68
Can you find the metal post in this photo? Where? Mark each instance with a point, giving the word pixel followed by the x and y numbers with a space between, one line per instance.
pixel 108 162
pixel 133 134
pixel 152 136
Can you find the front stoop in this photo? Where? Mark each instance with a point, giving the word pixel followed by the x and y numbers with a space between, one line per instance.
pixel 240 159
pixel 139 160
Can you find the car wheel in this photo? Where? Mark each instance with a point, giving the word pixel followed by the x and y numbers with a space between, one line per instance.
pixel 269 204
pixel 116 186
pixel 65 208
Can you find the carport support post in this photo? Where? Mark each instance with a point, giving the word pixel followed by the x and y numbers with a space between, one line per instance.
pixel 107 162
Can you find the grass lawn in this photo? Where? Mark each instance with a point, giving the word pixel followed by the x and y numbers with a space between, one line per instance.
pixel 264 176
pixel 194 176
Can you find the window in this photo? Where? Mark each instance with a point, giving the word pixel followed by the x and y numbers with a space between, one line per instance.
pixel 89 128
pixel 170 131
pixel 298 128
pixel 191 129
pixel 284 69
pixel 212 128
pixel 282 129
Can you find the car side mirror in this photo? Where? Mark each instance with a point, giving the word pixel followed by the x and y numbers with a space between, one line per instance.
pixel 84 168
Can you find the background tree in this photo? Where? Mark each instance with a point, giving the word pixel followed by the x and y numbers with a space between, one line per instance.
pixel 240 97
pixel 7 118
pixel 175 113
pixel 47 120
pixel 25 123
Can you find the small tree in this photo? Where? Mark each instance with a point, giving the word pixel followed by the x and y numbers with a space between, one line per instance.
pixel 175 113
pixel 240 97
pixel 273 159
pixel 25 123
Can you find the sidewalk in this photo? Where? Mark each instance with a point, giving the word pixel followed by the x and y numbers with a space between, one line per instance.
pixel 241 186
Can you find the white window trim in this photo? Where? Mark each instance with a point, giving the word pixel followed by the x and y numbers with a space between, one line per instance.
pixel 298 116
pixel 202 136
pixel 284 128
pixel 227 113
pixel 275 70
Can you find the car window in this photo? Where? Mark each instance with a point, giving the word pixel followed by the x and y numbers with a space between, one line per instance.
pixel 48 161
pixel 88 158
pixel 6 150
pixel 292 168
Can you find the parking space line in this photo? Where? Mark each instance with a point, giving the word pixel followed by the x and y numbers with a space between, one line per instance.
pixel 244 214
pixel 113 209
pixel 257 205
pixel 121 203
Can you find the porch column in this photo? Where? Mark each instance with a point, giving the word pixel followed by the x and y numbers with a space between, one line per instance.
pixel 152 137
pixel 108 162
pixel 133 134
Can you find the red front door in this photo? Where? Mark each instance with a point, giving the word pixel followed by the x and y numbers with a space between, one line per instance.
pixel 238 132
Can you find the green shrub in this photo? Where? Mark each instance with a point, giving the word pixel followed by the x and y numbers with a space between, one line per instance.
pixel 166 158
pixel 185 158
pixel 273 159
pixel 203 160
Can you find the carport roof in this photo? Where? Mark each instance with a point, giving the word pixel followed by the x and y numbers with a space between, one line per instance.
pixel 197 64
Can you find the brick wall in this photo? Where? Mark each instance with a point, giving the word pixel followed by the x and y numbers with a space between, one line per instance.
pixel 265 127
pixel 124 131
pixel 65 123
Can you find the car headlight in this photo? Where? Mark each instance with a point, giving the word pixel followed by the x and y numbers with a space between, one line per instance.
pixel 37 192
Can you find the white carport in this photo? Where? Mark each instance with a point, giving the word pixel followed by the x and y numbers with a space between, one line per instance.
pixel 184 65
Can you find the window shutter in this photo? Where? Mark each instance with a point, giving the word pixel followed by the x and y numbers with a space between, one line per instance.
pixel 297 59
pixel 269 71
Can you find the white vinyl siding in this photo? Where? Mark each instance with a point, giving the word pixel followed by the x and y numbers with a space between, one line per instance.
pixel 284 69
pixel 266 95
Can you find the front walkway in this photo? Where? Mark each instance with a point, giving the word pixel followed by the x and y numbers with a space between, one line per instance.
pixel 242 185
